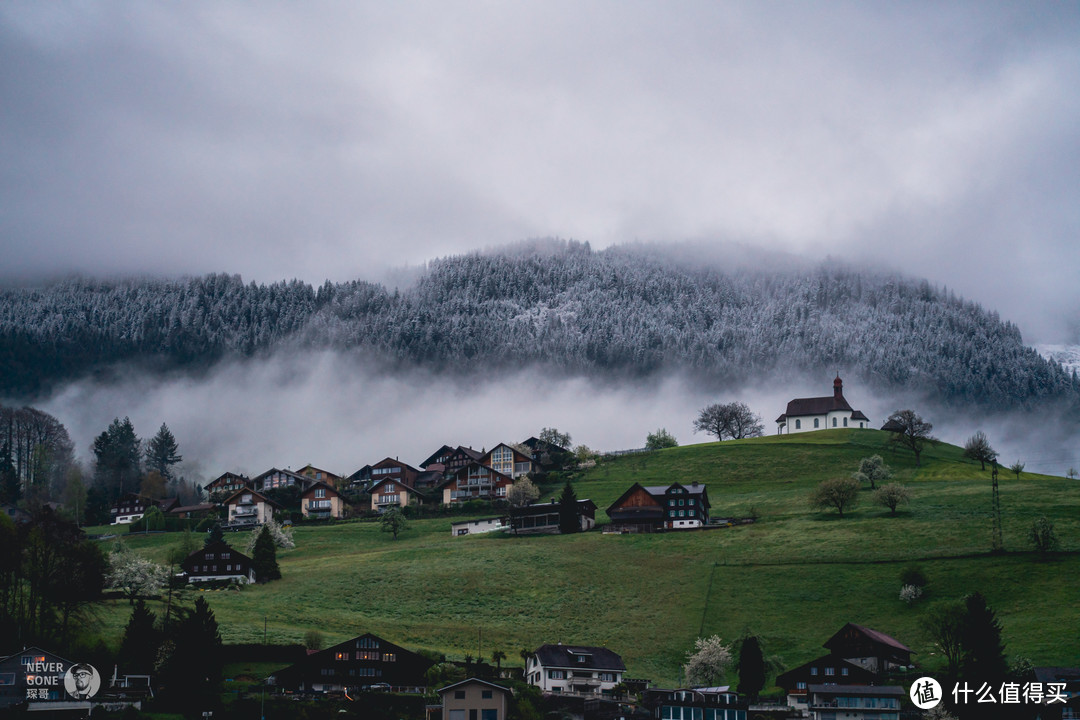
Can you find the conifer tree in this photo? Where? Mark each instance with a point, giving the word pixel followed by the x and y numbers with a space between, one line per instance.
pixel 569 513
pixel 751 667
pixel 138 650
pixel 264 558
pixel 161 452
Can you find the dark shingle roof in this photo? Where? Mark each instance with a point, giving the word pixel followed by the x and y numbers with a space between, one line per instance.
pixel 566 656
pixel 871 690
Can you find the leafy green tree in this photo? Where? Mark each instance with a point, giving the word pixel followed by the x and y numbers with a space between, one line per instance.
pixel 912 432
pixel 945 625
pixel 891 496
pixel 138 649
pixel 751 667
pixel 552 436
pixel 162 452
pixel 569 512
pixel 872 470
pixel 660 440
pixel 1042 535
pixel 264 558
pixel 839 493
pixel 393 521
pixel 522 492
pixel 978 448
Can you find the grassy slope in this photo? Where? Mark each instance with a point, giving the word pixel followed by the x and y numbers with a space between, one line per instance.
pixel 795 577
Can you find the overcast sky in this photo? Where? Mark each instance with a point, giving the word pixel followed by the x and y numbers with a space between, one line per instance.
pixel 326 140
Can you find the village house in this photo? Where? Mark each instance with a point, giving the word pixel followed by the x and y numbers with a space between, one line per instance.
pixel 310 471
pixel 274 479
pixel 544 517
pixel 474 699
pixel 478 525
pixel 823 670
pixel 855 702
pixel 391 492
pixel 354 666
pixel 543 453
pixel 868 648
pixel 322 501
pixel 508 461
pixel 393 469
pixel 248 507
pixel 132 506
pixel 574 669
pixel 228 483
pixel 707 703
pixel 660 507
pixel 475 482
pixel 820 413
pixel 218 561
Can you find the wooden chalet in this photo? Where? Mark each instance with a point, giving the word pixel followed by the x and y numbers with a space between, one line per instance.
pixel 360 479
pixel 318 474
pixel 544 517
pixel 274 478
pixel 509 461
pixel 656 508
pixel 393 469
pixel 390 492
pixel 825 669
pixel 461 457
pixel 218 561
pixel 543 452
pixel 132 507
pixel 248 507
pixel 475 482
pixel 228 483
pixel 322 501
pixel 868 648
pixel 439 457
pixel 354 666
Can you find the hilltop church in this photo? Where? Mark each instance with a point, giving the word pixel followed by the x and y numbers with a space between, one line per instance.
pixel 820 413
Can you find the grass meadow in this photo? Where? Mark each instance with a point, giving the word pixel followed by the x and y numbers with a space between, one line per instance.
pixel 794 577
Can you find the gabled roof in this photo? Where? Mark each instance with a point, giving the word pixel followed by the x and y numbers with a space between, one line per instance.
pixel 201 507
pixel 659 493
pixel 788 680
pixel 249 491
pixel 320 484
pixel 444 450
pixel 509 447
pixel 565 656
pixel 585 505
pixel 870 634
pixel 393 461
pixel 302 479
pixel 225 478
pixel 453 475
pixel 217 547
pixel 538 446
pixel 473 681
pixel 377 483
pixel 312 468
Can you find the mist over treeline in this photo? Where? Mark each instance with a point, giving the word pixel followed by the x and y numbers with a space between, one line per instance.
pixel 624 312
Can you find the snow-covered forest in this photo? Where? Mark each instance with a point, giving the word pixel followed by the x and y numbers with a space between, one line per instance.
pixel 555 305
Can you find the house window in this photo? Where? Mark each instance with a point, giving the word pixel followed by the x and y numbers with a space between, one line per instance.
pixel 834 422
pixel 320 492
pixel 800 686
pixel 845 422
pixel 210 556
pixel 341 656
pixel 844 671
pixel 226 556
pixel 813 671
pixel 830 671
pixel 556 674
pixel 485 694
pixel 817 422
pixel 459 694
pixel 489 714
pixel 581 658
pixel 367 643
pixel 607 677
pixel 389 657
pixel 367 655
pixel 798 424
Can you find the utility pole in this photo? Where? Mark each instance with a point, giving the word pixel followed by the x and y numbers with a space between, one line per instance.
pixel 997 546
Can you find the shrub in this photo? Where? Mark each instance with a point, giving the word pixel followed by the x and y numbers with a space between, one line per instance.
pixel 913 575
pixel 1042 535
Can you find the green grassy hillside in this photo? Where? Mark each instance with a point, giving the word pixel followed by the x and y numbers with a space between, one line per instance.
pixel 794 577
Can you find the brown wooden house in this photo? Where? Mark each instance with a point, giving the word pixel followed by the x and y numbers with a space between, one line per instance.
pixel 228 483
pixel 354 666
pixel 475 482
pixel 322 501
pixel 871 649
pixel 390 492
pixel 319 474
pixel 827 669
pixel 394 469
pixel 660 507
pixel 508 461
pixel 218 561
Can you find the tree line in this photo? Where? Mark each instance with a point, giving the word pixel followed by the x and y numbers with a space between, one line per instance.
pixel 556 305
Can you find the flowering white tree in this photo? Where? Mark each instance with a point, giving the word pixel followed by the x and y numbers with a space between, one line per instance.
pixel 282 537
pixel 910 593
pixel 708 662
pixel 133 575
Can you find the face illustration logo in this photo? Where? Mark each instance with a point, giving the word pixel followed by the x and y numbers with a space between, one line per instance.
pixel 926 693
pixel 82 681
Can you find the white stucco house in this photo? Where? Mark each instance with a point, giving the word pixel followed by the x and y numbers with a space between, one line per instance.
pixel 574 670
pixel 821 413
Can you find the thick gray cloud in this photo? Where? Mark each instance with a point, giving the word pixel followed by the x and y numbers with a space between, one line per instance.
pixel 332 140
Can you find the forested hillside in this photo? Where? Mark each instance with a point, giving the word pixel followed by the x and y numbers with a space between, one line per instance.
pixel 557 305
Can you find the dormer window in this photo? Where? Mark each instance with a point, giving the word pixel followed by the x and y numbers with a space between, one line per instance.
pixel 581 658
